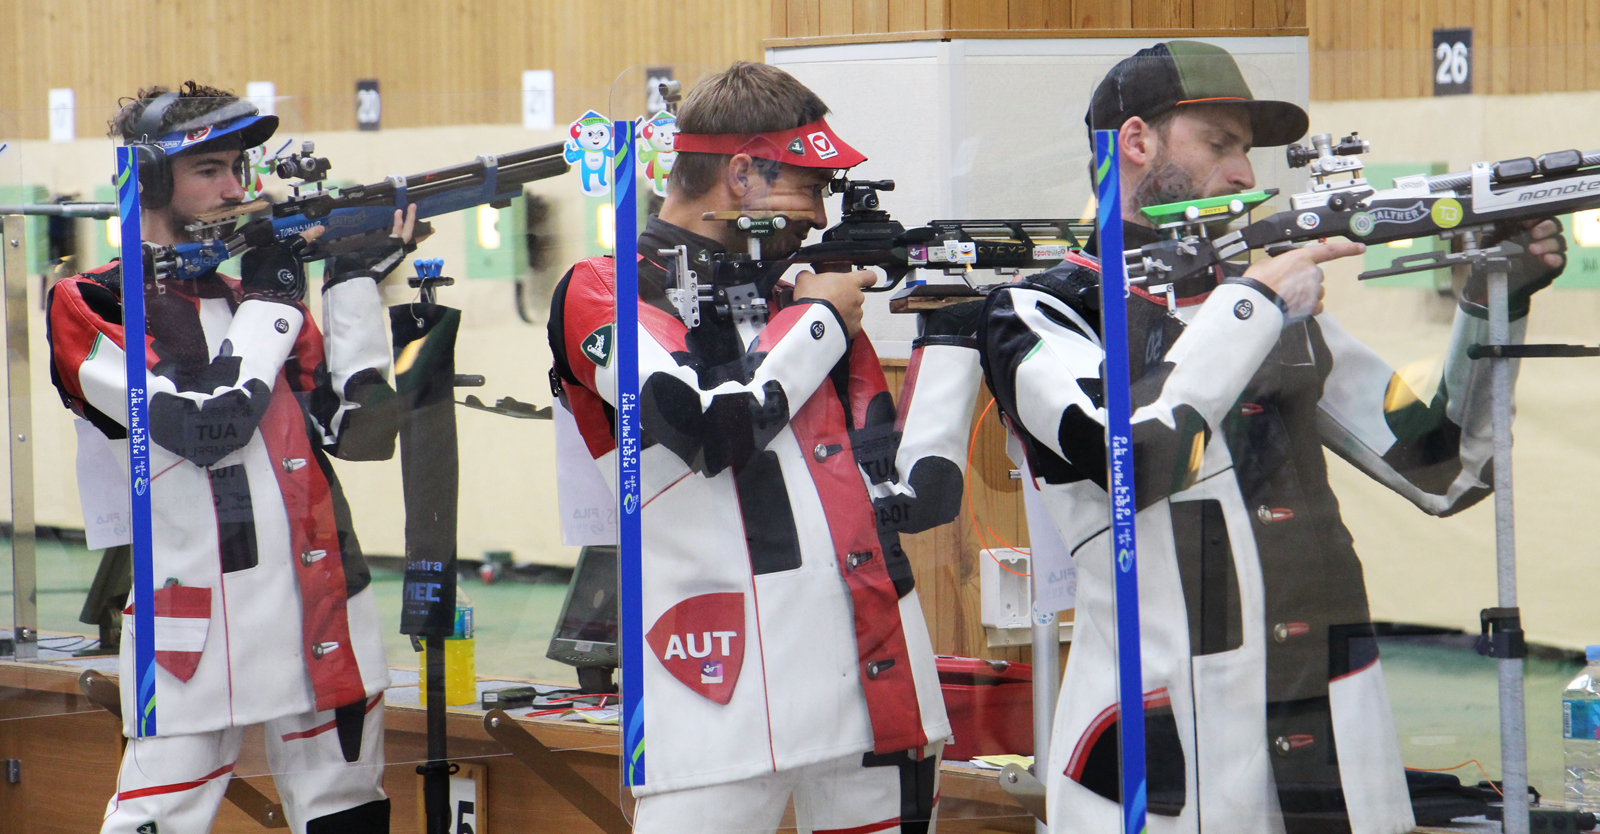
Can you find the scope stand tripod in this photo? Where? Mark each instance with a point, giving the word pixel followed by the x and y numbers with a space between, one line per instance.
pixel 1501 636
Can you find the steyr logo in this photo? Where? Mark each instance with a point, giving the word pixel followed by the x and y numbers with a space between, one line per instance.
pixel 597 346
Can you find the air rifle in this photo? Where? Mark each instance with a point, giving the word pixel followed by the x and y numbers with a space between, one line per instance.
pixel 739 283
pixel 1491 198
pixel 354 217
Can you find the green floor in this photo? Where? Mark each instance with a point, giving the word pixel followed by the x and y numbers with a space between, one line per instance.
pixel 1445 700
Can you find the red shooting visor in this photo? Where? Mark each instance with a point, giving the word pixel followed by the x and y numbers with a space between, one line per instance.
pixel 810 146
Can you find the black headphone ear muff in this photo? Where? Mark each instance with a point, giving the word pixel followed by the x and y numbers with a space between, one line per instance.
pixel 155 170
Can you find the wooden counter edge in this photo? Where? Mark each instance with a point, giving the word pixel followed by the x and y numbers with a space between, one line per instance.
pixel 960 780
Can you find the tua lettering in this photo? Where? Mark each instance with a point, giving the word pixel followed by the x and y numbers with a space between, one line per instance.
pixel 675 644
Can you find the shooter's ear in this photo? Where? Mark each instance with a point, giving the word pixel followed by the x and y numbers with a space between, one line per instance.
pixel 737 174
pixel 1137 141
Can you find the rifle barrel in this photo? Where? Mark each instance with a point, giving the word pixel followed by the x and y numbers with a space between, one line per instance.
pixel 98 210
pixel 1462 179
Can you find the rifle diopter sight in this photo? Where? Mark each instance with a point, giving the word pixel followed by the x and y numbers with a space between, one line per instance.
pixel 304 165
pixel 1326 159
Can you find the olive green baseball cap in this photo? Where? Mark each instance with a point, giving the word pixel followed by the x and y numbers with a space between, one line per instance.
pixel 1178 73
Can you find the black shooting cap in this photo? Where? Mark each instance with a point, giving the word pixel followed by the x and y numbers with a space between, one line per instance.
pixel 1169 75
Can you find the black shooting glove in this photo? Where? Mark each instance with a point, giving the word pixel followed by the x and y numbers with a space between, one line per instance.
pixel 276 272
pixel 1528 273
pixel 955 324
pixel 372 255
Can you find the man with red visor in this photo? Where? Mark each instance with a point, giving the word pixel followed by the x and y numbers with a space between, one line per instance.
pixel 264 614
pixel 787 654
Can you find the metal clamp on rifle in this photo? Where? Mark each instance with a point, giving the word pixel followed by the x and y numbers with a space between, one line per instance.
pixel 1502 633
pixel 740 282
pixel 687 293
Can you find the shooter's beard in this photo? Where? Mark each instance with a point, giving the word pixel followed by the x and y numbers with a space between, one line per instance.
pixel 1165 182
pixel 180 224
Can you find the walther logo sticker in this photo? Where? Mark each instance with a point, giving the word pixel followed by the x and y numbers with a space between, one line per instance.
pixel 1410 214
pixel 1363 222
pixel 701 642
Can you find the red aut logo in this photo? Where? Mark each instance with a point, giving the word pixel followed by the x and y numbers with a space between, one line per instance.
pixel 701 642
pixel 822 145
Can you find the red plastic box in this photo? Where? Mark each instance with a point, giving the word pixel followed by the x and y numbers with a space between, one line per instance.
pixel 990 703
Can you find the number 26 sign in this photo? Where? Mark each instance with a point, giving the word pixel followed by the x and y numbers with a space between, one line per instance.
pixel 1452 62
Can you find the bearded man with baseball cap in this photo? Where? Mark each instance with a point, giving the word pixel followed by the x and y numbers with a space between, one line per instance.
pixel 1265 706
pixel 787 654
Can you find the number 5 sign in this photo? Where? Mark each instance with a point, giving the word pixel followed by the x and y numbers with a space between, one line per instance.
pixel 469 800
pixel 1452 62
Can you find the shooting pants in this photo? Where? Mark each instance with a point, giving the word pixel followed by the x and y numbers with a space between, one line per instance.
pixel 173 784
pixel 855 794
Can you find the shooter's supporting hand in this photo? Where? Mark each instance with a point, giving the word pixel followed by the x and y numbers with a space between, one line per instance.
pixel 1541 263
pixel 277 272
pixel 376 261
pixel 841 289
pixel 1296 277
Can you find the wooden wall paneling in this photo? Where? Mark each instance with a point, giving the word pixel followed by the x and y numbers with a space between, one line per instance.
pixel 1321 46
pixel 1499 26
pixel 870 16
pixel 1562 28
pixel 1058 13
pixel 1571 29
pixel 908 15
pixel 1373 59
pixel 984 14
pixel 1162 14
pixel 1224 14
pixel 1538 59
pixel 836 17
pixel 1517 47
pixel 937 14
pixel 1591 44
pixel 1410 47
pixel 1558 22
pixel 1343 66
pixel 1270 14
pixel 1102 14
pixel 779 11
pixel 1027 14
pixel 803 19
pixel 1295 13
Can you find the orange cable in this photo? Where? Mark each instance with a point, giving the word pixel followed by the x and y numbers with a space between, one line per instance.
pixel 972 510
pixel 1462 765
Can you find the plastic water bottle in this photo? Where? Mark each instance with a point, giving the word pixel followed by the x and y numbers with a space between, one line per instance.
pixel 460 660
pixel 1580 733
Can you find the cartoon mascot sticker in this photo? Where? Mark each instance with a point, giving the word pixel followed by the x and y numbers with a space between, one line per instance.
pixel 658 137
pixel 589 147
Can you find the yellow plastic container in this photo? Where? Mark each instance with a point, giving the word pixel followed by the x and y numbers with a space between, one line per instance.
pixel 460 673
